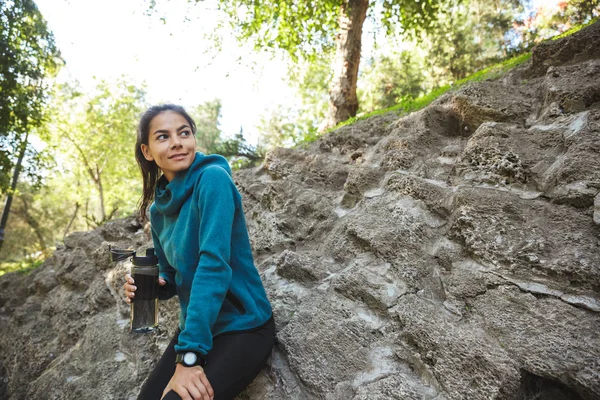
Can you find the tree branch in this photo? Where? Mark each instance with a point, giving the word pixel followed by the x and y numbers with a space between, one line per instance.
pixel 80 150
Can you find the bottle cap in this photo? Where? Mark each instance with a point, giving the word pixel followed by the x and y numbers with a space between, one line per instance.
pixel 149 260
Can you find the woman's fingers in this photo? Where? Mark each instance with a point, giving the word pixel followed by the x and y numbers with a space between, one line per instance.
pixel 196 392
pixel 162 281
pixel 184 393
pixel 129 296
pixel 129 288
pixel 167 389
pixel 204 392
pixel 190 383
pixel 199 387
pixel 206 384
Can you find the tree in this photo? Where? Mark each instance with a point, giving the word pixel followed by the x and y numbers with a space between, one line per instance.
pixel 27 56
pixel 208 133
pixel 277 129
pixel 43 216
pixel 24 239
pixel 285 126
pixel 469 35
pixel 306 29
pixel 239 152
pixel 549 20
pixel 29 224
pixel 390 78
pixel 466 35
pixel 96 135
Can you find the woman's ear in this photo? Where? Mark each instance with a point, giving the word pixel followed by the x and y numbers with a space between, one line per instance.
pixel 146 152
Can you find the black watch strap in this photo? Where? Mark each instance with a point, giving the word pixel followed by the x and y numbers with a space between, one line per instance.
pixel 190 359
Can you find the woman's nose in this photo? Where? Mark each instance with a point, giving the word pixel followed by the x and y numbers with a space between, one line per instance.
pixel 175 142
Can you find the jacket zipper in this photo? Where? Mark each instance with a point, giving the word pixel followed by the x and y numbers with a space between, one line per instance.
pixel 235 302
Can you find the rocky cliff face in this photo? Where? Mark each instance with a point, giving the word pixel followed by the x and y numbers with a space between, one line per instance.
pixel 450 254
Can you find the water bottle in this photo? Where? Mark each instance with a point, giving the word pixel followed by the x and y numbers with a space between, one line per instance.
pixel 144 308
pixel 144 271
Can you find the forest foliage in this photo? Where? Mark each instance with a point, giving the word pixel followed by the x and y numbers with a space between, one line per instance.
pixel 72 179
pixel 28 54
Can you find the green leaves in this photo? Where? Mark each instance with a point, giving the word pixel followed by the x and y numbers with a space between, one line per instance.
pixel 94 135
pixel 208 133
pixel 239 153
pixel 27 56
pixel 302 29
pixel 409 16
pixel 393 77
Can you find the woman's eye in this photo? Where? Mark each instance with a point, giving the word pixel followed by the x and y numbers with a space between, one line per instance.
pixel 186 133
pixel 161 137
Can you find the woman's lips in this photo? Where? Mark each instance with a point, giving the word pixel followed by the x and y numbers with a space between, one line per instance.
pixel 178 156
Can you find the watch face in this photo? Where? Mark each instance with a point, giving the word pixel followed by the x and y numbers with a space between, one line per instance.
pixel 189 358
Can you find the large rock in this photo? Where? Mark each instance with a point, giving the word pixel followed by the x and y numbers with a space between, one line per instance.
pixel 568 50
pixel 450 254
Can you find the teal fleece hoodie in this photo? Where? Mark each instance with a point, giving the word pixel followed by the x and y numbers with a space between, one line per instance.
pixel 201 240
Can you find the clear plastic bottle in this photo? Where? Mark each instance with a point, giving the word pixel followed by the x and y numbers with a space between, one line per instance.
pixel 144 271
pixel 144 307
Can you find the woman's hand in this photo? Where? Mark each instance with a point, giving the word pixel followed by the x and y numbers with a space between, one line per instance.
pixel 130 288
pixel 190 383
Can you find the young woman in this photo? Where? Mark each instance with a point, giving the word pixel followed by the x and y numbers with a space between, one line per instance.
pixel 226 329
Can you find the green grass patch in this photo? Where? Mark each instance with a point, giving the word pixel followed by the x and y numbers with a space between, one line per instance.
pixel 24 266
pixel 574 29
pixel 410 105
pixel 492 72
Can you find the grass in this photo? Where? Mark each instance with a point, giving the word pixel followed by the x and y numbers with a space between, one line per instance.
pixel 410 105
pixel 574 29
pixel 492 72
pixel 24 266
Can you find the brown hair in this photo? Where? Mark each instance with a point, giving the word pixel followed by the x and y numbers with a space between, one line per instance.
pixel 149 169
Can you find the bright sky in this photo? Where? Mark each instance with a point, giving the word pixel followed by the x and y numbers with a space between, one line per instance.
pixel 110 38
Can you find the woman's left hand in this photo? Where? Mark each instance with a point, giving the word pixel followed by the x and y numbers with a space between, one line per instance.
pixel 190 383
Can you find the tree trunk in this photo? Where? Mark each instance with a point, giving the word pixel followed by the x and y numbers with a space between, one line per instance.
pixel 343 102
pixel 101 192
pixel 30 220
pixel 95 174
pixel 87 208
pixel 77 205
pixel 13 186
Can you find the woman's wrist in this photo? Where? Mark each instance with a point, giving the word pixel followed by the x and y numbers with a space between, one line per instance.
pixel 190 359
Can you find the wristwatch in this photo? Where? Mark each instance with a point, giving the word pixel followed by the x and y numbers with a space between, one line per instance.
pixel 190 359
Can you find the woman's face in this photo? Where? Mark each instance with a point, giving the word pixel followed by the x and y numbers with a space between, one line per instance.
pixel 171 144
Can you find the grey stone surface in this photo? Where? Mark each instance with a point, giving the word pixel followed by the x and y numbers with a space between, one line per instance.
pixel 453 253
pixel 597 209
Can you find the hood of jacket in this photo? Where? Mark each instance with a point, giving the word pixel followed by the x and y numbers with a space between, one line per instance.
pixel 170 196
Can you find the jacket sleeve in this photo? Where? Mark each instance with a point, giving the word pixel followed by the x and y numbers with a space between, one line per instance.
pixel 216 204
pixel 164 270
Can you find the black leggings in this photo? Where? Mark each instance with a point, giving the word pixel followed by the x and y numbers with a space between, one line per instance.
pixel 232 364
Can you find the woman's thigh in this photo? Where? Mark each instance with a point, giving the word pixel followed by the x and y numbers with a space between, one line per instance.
pixel 236 359
pixel 161 374
pixel 232 364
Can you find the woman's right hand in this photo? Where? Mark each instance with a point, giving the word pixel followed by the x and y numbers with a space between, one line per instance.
pixel 190 383
pixel 129 288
